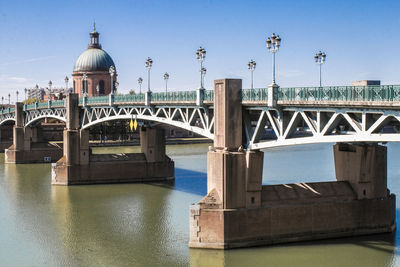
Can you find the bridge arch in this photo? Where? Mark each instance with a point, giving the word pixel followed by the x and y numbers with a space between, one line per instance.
pixel 42 117
pixel 178 124
pixel 2 122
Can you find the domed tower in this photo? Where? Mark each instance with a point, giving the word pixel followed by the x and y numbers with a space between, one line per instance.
pixel 94 63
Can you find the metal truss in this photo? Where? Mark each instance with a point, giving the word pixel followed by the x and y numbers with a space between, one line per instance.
pixel 7 117
pixel 265 127
pixel 38 114
pixel 199 120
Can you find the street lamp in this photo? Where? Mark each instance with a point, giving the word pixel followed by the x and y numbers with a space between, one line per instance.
pixel 148 64
pixel 50 84
pixel 166 77
pixel 320 58
pixel 201 56
pixel 251 66
pixel 273 44
pixel 17 93
pixel 203 71
pixel 111 70
pixel 85 84
pixel 9 99
pixel 66 84
pixel 140 81
pixel 25 90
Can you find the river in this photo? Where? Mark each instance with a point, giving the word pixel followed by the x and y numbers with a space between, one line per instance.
pixel 148 224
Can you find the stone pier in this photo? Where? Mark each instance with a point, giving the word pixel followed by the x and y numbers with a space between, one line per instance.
pixel 238 211
pixel 79 166
pixel 26 146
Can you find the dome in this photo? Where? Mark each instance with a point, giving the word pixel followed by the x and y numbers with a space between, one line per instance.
pixel 93 59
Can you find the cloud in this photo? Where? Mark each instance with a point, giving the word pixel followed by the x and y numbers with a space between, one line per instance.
pixel 26 61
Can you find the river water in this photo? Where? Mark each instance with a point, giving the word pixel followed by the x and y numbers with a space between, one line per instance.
pixel 148 224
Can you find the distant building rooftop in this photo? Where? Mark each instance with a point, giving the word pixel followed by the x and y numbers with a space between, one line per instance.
pixel 366 82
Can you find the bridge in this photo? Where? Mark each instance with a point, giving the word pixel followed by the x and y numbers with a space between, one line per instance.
pixel 238 210
pixel 302 115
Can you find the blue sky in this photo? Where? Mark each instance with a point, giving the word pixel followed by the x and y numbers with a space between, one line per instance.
pixel 40 40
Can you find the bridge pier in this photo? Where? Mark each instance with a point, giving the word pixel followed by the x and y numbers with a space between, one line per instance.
pixel 79 166
pixel 238 211
pixel 26 147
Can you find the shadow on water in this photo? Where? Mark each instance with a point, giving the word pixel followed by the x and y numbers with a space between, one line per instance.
pixel 188 181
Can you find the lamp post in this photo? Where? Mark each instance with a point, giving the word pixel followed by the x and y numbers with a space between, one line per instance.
pixel 85 84
pixel 9 100
pixel 17 93
pixel 2 102
pixel 251 66
pixel 320 58
pixel 203 72
pixel 148 64
pixel 25 90
pixel 273 44
pixel 66 84
pixel 50 84
pixel 111 70
pixel 166 77
pixel 140 81
pixel 201 56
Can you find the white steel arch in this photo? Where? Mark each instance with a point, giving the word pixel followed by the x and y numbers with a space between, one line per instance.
pixel 199 120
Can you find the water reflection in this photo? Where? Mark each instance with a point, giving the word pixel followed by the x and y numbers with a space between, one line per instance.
pixel 148 224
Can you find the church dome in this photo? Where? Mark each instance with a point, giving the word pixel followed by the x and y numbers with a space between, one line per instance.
pixel 93 59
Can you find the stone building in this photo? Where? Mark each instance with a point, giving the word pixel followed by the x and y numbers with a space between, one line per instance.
pixel 95 63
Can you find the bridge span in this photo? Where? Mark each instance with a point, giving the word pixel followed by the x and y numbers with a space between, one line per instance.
pixel 238 210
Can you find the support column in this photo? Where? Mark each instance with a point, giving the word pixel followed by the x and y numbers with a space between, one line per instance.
pixel 75 147
pixel 233 175
pixel 152 143
pixel 364 166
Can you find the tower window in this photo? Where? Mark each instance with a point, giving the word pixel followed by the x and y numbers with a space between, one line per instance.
pixel 101 87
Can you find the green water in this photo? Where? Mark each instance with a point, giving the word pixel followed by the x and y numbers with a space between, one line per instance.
pixel 148 224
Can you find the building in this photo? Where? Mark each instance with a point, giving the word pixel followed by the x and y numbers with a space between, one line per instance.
pixel 43 94
pixel 95 63
pixel 366 83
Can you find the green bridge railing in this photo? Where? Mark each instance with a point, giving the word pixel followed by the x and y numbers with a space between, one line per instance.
pixel 341 93
pixel 375 93
pixel 179 96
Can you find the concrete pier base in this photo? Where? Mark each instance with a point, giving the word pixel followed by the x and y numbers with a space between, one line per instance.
pixel 112 168
pixel 38 153
pixel 291 213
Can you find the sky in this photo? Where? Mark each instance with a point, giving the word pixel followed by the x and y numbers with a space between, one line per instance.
pixel 41 40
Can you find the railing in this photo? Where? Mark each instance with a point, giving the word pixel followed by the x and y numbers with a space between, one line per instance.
pixel 57 103
pixel 255 95
pixel 341 93
pixel 96 100
pixel 179 96
pixel 129 98
pixel 31 106
pixel 43 104
pixel 375 93
pixel 209 95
